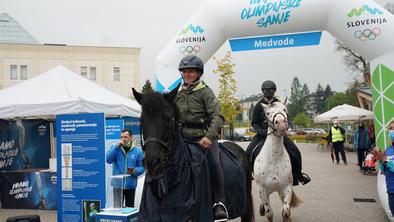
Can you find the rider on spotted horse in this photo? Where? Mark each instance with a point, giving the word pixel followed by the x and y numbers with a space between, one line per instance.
pixel 260 124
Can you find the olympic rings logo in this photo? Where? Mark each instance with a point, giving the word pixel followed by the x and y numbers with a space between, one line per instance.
pixel 190 49
pixel 367 34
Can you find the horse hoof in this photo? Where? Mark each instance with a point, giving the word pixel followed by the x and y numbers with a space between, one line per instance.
pixel 262 210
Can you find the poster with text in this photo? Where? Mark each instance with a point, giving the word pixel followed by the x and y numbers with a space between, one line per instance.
pixel 24 144
pixel 81 168
pixel 29 190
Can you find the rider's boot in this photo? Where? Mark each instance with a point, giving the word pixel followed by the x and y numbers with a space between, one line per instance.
pixel 304 178
pixel 220 212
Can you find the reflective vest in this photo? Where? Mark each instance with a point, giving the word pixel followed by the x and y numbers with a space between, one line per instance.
pixel 336 135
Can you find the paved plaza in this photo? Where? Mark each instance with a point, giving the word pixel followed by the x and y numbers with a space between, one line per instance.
pixel 328 198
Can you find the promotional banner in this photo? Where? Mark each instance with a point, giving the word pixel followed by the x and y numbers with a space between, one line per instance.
pixel 24 144
pixel 133 124
pixel 277 41
pixel 364 26
pixel 113 130
pixel 81 168
pixel 28 190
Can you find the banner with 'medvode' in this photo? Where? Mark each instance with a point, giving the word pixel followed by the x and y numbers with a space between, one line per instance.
pixel 28 190
pixel 24 144
pixel 81 168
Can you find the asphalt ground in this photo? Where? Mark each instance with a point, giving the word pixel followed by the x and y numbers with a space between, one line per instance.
pixel 327 198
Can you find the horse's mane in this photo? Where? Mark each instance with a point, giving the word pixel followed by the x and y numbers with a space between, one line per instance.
pixel 154 102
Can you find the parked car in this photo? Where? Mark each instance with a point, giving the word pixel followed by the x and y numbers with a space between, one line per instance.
pixel 240 134
pixel 291 132
pixel 320 131
pixel 309 130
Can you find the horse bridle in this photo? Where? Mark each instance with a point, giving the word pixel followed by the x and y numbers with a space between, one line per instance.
pixel 271 124
pixel 167 144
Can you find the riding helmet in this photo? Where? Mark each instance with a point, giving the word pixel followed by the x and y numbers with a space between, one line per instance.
pixel 193 62
pixel 268 85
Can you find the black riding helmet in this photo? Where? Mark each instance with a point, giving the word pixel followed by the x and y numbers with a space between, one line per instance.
pixel 268 85
pixel 192 62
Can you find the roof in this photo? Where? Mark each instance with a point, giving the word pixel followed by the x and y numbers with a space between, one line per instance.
pixel 12 32
pixel 61 91
pixel 344 112
pixel 365 90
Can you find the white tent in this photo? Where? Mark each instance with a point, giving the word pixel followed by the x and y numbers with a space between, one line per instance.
pixel 344 113
pixel 61 91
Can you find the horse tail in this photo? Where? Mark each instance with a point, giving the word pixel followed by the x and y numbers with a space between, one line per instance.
pixel 295 200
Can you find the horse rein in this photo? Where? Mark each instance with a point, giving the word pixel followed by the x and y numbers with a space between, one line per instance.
pixel 167 145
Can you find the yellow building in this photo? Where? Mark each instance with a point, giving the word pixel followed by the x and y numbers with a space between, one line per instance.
pixel 22 57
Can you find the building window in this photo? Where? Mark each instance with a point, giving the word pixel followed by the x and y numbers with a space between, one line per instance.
pixel 92 73
pixel 23 72
pixel 116 74
pixel 84 71
pixel 13 72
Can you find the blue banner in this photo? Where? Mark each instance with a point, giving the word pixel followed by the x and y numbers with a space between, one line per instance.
pixel 28 190
pixel 113 129
pixel 277 41
pixel 81 168
pixel 133 124
pixel 24 144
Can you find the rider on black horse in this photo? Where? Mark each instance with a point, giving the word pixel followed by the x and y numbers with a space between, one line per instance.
pixel 199 114
pixel 260 124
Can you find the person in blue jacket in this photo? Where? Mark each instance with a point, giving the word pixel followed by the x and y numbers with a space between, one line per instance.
pixel 386 161
pixel 126 158
pixel 361 143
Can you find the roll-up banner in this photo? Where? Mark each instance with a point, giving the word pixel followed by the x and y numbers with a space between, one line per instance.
pixel 81 166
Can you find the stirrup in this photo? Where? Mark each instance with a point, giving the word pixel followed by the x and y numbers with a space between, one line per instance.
pixel 225 209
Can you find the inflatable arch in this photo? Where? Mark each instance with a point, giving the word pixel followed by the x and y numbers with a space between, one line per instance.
pixel 361 24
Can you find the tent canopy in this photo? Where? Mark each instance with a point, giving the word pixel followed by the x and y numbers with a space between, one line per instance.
pixel 344 113
pixel 61 91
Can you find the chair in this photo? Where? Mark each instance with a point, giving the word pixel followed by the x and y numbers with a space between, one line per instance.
pixel 24 218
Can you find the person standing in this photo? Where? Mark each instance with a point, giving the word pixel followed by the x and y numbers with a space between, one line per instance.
pixel 126 158
pixel 336 138
pixel 361 143
pixel 386 160
pixel 199 115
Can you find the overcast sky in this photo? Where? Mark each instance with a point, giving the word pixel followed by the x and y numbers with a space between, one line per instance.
pixel 150 25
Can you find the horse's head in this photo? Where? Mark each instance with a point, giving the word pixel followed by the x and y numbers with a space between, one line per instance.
pixel 158 122
pixel 276 114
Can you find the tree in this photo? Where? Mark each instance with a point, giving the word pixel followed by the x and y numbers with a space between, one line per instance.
pixel 302 120
pixel 338 99
pixel 327 94
pixel 147 87
pixel 318 99
pixel 295 105
pixel 354 61
pixel 227 88
pixel 306 99
pixel 299 98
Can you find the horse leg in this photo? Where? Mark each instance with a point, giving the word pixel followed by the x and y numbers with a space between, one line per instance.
pixel 265 207
pixel 286 195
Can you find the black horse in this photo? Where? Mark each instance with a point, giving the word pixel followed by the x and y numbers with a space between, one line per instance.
pixel 178 181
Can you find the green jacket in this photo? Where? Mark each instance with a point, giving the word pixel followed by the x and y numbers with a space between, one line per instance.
pixel 199 112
